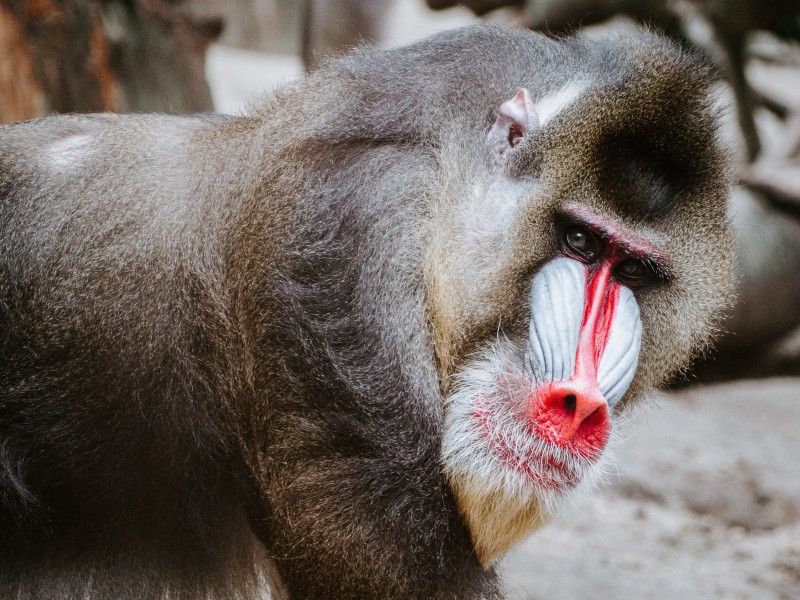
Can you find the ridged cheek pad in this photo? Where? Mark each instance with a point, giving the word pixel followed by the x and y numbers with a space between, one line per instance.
pixel 584 319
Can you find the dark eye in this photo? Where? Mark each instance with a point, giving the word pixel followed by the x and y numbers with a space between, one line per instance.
pixel 633 270
pixel 583 242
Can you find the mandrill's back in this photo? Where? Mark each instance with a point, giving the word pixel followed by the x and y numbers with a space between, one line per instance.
pixel 116 273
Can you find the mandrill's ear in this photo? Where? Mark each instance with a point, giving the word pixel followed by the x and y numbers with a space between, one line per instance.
pixel 515 118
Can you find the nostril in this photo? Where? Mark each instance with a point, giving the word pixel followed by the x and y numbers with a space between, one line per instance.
pixel 571 413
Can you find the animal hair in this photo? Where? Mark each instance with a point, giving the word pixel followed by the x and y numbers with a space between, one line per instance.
pixel 229 345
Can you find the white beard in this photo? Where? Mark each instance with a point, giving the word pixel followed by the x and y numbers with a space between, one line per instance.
pixel 507 480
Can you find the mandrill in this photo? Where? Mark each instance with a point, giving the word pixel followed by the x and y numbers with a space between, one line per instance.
pixel 359 342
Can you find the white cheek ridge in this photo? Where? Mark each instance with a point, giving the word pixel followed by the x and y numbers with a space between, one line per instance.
pixel 557 305
pixel 69 151
pixel 549 106
pixel 621 355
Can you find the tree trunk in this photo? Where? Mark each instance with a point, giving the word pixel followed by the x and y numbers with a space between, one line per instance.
pixel 102 55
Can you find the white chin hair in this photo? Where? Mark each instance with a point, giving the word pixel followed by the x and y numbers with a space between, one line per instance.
pixel 506 480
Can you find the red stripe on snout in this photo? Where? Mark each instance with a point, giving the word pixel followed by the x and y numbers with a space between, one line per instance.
pixel 602 296
pixel 573 413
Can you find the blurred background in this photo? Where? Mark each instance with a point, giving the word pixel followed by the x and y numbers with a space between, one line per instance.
pixel 705 500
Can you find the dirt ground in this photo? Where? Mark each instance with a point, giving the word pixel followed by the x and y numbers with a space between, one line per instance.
pixel 706 503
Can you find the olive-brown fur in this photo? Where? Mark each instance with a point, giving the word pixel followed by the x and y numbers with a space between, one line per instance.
pixel 224 341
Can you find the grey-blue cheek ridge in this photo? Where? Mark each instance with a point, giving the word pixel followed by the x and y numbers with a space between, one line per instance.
pixel 557 304
pixel 621 356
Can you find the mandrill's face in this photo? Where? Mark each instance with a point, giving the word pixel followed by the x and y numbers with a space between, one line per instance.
pixel 541 337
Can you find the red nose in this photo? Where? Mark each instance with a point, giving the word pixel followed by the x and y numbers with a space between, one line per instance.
pixel 572 414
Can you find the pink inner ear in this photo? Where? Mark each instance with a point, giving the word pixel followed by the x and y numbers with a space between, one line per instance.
pixel 515 133
pixel 514 119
